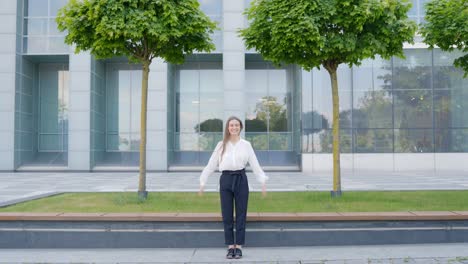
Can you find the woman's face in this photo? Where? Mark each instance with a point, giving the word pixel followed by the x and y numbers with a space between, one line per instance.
pixel 234 127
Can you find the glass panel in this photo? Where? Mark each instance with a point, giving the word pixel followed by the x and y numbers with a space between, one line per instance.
pixel 278 113
pixel 373 140
pixel 125 100
pixel 414 72
pixel 450 108
pixel 211 7
pixel 208 141
pixel 135 142
pixel 188 81
pixel 212 103
pixel 413 140
pixel 259 140
pixel 57 45
pixel 372 109
pixel 277 81
pixel 446 76
pixel 413 109
pixel 36 26
pixel 112 142
pixel 37 8
pixel 50 142
pixel 322 97
pixel 35 44
pixel 55 5
pixel 188 112
pixel 53 30
pixel 323 141
pixel 210 81
pixel 280 141
pixel 210 122
pixel 256 81
pixel 186 141
pixel 124 141
pixel 451 140
pixel 135 108
pixel 257 112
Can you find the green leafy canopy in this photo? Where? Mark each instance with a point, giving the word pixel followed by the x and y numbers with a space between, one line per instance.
pixel 313 32
pixel 447 27
pixel 138 29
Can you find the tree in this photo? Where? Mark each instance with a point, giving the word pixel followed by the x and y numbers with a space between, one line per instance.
pixel 447 27
pixel 140 30
pixel 315 33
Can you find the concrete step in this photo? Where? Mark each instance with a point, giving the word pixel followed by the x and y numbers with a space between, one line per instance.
pixel 204 234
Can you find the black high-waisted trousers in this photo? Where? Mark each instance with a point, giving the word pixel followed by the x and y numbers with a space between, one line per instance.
pixel 234 190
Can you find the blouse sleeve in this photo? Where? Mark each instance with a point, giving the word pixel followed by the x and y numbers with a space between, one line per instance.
pixel 257 170
pixel 212 164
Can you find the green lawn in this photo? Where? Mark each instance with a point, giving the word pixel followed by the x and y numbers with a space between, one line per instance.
pixel 274 202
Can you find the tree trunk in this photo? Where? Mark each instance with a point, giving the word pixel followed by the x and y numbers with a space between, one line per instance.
pixel 331 68
pixel 142 193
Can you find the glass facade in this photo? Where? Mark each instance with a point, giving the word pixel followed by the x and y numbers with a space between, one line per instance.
pixel 398 106
pixel 40 33
pixel 116 106
pixel 269 122
pixel 198 105
pixel 42 114
pixel 214 10
pixel 413 105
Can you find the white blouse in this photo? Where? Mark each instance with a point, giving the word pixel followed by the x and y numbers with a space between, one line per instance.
pixel 235 157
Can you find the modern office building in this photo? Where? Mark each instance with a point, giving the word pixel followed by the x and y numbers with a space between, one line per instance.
pixel 66 111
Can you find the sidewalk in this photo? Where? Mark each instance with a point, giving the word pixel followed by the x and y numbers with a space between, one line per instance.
pixel 395 254
pixel 22 186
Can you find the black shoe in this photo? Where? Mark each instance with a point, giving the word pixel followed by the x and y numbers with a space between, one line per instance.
pixel 230 253
pixel 238 253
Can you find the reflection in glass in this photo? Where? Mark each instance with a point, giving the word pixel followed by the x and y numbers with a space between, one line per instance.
pixel 372 109
pixel 323 141
pixel 322 97
pixel 413 109
pixel 451 140
pixel 450 108
pixel 414 72
pixel 373 140
pixel 123 107
pixel 199 110
pixel 413 140
pixel 259 141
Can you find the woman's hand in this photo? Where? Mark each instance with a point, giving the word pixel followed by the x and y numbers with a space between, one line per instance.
pixel 200 192
pixel 264 192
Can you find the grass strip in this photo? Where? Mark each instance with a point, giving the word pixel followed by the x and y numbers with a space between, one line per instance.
pixel 362 201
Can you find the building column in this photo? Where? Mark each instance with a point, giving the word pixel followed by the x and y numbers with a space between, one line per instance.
pixel 233 59
pixel 79 113
pixel 156 148
pixel 8 68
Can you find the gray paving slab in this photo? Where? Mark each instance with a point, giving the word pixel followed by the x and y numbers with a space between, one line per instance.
pixel 395 254
pixel 15 186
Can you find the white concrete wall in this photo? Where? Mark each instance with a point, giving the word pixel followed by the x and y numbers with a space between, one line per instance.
pixel 233 59
pixel 156 144
pixel 79 114
pixel 8 59
pixel 388 162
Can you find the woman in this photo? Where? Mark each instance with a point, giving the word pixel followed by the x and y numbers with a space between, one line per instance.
pixel 231 156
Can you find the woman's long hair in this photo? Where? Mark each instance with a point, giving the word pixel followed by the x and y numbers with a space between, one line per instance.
pixel 227 134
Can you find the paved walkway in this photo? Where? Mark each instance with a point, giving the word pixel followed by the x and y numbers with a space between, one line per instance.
pixel 21 186
pixel 388 254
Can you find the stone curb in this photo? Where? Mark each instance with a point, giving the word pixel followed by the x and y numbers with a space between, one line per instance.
pixel 254 217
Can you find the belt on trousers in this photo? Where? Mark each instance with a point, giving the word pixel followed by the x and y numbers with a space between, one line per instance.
pixel 236 180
